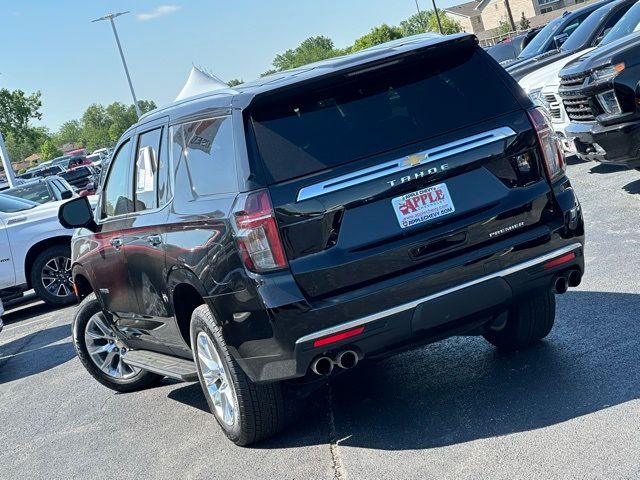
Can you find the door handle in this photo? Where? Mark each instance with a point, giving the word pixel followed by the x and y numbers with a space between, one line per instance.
pixel 154 240
pixel 116 243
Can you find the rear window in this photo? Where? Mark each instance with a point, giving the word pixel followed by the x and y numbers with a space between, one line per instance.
pixel 377 111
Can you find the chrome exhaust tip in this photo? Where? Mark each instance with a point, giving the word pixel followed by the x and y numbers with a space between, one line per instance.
pixel 347 359
pixel 561 285
pixel 322 366
pixel 575 278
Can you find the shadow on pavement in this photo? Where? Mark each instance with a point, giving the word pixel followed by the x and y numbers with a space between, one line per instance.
pixel 632 188
pixel 26 312
pixel 462 389
pixel 603 168
pixel 35 353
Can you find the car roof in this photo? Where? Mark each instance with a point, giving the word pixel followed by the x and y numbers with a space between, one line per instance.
pixel 242 95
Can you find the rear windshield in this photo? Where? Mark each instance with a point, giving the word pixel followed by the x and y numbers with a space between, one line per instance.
pixel 377 111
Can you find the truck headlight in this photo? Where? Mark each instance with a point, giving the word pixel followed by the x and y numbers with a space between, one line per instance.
pixel 607 73
pixel 609 102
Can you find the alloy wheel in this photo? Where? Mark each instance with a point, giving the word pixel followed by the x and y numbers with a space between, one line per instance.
pixel 219 387
pixel 56 276
pixel 106 350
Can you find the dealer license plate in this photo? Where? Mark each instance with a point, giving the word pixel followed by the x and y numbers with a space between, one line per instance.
pixel 422 206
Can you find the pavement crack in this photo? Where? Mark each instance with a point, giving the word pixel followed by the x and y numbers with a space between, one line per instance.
pixel 339 472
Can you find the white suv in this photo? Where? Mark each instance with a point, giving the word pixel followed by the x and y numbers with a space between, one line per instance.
pixel 34 251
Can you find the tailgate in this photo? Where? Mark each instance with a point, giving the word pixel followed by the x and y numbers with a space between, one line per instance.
pixel 398 168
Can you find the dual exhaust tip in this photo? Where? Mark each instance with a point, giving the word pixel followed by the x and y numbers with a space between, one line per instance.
pixel 562 283
pixel 346 359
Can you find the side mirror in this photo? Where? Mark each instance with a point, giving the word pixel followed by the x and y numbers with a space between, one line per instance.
pixel 66 195
pixel 77 213
pixel 560 39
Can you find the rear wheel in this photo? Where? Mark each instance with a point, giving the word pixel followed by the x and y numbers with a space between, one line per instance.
pixel 102 352
pixel 527 323
pixel 247 412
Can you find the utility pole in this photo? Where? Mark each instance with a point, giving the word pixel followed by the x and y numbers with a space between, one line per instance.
pixel 6 163
pixel 435 11
pixel 510 15
pixel 110 17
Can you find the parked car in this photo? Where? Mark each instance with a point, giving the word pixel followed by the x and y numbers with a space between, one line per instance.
pixel 42 190
pixel 34 252
pixel 78 161
pixel 509 48
pixel 325 219
pixel 552 36
pixel 62 161
pixel 587 35
pixel 597 94
pixel 81 177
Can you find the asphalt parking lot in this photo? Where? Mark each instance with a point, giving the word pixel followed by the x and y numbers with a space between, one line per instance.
pixel 567 408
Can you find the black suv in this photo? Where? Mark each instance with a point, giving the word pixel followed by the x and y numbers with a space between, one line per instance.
pixel 267 237
pixel 599 92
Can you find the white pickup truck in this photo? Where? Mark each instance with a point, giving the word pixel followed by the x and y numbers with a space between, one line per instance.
pixel 34 251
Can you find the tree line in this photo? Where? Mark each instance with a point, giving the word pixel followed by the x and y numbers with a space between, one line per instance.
pixel 318 48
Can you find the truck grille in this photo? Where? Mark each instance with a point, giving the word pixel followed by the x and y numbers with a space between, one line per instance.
pixel 573 81
pixel 555 109
pixel 579 109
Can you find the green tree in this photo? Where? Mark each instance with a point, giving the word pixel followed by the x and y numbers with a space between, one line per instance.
pixel 69 132
pixel 28 143
pixel 95 127
pixel 426 21
pixel 310 50
pixel 524 23
pixel 376 36
pixel 49 150
pixel 16 111
pixel 235 82
pixel 504 27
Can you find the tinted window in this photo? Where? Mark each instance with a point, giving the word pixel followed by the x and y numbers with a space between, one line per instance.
pixel 117 194
pixel 203 158
pixel 627 25
pixel 377 112
pixel 57 192
pixel 11 204
pixel 583 33
pixel 539 42
pixel 146 194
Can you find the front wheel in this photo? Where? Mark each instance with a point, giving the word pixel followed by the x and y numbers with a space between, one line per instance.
pixel 247 412
pixel 51 276
pixel 528 322
pixel 102 352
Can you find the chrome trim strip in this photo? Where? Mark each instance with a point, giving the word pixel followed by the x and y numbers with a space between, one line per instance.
pixel 404 163
pixel 413 304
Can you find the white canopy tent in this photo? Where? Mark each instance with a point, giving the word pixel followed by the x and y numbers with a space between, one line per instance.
pixel 200 82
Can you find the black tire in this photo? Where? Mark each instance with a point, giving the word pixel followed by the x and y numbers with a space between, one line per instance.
pixel 527 323
pixel 36 276
pixel 260 407
pixel 87 308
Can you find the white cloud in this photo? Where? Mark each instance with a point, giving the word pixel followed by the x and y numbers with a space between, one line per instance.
pixel 161 11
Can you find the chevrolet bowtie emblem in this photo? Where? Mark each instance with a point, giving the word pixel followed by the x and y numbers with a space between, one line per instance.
pixel 415 159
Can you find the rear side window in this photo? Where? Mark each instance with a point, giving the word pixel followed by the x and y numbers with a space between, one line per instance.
pixel 203 158
pixel 377 111
pixel 117 197
pixel 146 176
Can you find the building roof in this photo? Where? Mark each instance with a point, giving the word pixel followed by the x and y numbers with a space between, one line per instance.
pixel 468 9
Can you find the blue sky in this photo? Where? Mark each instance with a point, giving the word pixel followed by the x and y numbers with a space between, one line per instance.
pixel 53 47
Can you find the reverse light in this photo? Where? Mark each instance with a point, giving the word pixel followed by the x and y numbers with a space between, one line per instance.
pixel 338 336
pixel 550 147
pixel 256 232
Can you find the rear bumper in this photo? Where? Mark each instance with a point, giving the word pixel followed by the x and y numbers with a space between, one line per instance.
pixel 274 340
pixel 614 144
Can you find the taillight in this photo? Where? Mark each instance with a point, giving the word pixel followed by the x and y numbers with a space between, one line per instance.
pixel 550 147
pixel 257 233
